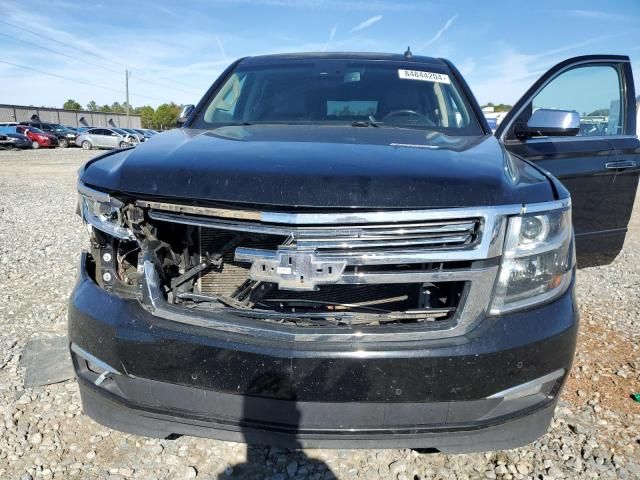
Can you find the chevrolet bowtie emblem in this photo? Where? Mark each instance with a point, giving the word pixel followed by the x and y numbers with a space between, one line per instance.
pixel 289 268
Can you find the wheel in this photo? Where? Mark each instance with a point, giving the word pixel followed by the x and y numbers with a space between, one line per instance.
pixel 86 145
pixel 123 145
pixel 35 144
pixel 63 143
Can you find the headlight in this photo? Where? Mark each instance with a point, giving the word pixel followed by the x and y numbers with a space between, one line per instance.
pixel 103 212
pixel 537 262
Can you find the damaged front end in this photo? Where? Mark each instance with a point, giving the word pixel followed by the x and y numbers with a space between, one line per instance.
pixel 298 269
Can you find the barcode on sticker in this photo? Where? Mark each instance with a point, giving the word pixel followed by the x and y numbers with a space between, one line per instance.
pixel 424 76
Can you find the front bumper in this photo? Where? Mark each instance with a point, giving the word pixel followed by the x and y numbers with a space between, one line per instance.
pixel 156 377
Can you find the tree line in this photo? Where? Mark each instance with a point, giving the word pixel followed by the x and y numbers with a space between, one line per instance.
pixel 163 117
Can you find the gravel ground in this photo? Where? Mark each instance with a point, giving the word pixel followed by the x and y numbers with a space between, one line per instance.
pixel 44 434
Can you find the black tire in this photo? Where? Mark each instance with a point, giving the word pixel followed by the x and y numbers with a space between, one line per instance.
pixel 86 145
pixel 35 144
pixel 63 143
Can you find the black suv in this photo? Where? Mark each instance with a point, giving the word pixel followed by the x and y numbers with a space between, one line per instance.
pixel 336 251
pixel 65 136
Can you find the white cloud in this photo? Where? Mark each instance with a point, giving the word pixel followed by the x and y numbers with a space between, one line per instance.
pixel 439 33
pixel 331 36
pixel 350 5
pixel 366 24
pixel 224 54
pixel 507 79
pixel 602 16
pixel 467 66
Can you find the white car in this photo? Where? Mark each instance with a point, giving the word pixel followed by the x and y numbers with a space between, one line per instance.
pixel 105 138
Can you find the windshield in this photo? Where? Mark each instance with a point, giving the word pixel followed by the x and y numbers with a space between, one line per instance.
pixel 119 130
pixel 329 91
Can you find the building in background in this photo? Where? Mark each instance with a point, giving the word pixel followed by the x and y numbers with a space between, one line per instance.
pixel 73 118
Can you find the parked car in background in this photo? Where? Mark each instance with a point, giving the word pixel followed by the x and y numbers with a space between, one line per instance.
pixel 8 124
pixel 37 137
pixel 134 133
pixel 10 139
pixel 135 139
pixel 65 136
pixel 105 138
pixel 145 133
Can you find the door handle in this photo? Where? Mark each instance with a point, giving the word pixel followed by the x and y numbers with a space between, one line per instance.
pixel 621 165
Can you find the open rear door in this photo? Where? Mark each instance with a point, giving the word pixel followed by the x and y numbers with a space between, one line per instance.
pixel 597 157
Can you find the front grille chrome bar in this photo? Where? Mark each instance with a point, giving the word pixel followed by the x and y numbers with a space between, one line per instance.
pixel 475 300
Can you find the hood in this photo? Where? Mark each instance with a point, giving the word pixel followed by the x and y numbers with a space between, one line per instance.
pixel 321 166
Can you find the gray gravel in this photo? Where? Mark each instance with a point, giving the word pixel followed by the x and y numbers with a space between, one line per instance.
pixel 43 433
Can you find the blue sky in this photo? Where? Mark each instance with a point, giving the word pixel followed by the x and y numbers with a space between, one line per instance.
pixel 177 49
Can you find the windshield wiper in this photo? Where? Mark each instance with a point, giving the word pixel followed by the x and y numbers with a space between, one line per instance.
pixel 372 122
pixel 364 123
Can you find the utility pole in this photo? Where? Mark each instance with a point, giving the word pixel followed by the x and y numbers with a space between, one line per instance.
pixel 126 85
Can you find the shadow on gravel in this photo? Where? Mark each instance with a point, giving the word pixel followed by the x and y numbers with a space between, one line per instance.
pixel 265 462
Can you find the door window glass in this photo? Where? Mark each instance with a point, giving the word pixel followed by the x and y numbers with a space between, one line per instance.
pixel 594 92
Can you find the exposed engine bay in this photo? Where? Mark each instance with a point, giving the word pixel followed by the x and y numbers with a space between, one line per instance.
pixel 210 269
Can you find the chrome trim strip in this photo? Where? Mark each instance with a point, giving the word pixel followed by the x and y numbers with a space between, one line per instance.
pixel 359 243
pixel 416 276
pixel 546 206
pixel 210 211
pixel 387 216
pixel 342 218
pixel 528 388
pixel 90 192
pixel 93 359
pixel 571 139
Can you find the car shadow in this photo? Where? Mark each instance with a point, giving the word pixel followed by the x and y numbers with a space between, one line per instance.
pixel 263 460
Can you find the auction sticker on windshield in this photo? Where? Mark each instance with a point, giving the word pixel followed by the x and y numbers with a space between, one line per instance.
pixel 424 76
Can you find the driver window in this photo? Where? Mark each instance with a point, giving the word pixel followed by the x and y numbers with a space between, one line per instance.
pixel 594 91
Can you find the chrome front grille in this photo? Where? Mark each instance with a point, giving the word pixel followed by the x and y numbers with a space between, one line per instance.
pixel 408 236
pixel 383 262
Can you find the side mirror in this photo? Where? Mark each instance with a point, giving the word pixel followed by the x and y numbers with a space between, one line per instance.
pixel 547 122
pixel 184 114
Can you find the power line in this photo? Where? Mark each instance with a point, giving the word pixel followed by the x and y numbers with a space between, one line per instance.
pixel 89 52
pixel 73 79
pixel 60 53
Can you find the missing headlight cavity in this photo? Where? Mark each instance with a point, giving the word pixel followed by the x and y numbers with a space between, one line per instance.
pixel 113 263
pixel 198 269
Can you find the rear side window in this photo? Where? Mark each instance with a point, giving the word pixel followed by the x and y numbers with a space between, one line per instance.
pixel 594 91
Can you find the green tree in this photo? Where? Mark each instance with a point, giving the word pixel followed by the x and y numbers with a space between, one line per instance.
pixel 71 105
pixel 117 108
pixel 146 115
pixel 92 106
pixel 166 115
pixel 105 108
pixel 499 107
